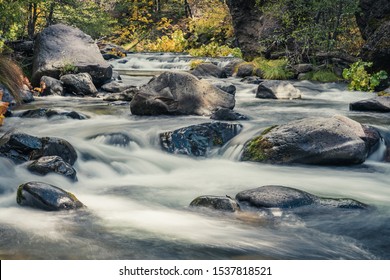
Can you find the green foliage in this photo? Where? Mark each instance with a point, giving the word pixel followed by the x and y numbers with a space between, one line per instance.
pixel 215 50
pixel 322 75
pixel 171 43
pixel 196 62
pixel 68 68
pixel 360 79
pixel 276 69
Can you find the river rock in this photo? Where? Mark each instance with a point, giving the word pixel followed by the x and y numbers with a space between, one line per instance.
pixel 51 86
pixel 46 197
pixel 52 146
pixel 272 89
pixel 245 70
pixel 323 141
pixel 252 80
pixel 52 164
pixel 225 86
pixel 224 114
pixel 379 104
pixel 198 140
pixel 59 45
pixel 174 93
pixel 287 198
pixel 49 113
pixel 206 70
pixel 79 84
pixel 221 203
pixel 113 139
pixel 116 86
pixel 126 95
pixel 231 67
pixel 19 146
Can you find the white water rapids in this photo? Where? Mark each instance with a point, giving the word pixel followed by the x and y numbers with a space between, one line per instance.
pixel 138 195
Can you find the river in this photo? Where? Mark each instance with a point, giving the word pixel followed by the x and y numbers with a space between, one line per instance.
pixel 138 196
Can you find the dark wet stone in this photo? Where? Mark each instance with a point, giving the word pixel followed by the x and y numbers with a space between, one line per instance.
pixel 52 164
pixel 379 104
pixel 19 146
pixel 52 146
pixel 221 203
pixel 49 113
pixel 224 114
pixel 252 80
pixel 51 86
pixel 289 198
pixel 198 140
pixel 79 84
pixel 46 197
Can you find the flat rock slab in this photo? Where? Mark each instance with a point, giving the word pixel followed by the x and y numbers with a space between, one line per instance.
pixel 379 104
pixel 59 46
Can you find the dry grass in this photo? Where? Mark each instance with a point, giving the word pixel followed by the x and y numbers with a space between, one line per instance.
pixel 11 76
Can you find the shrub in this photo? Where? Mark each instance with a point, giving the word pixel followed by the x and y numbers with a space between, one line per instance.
pixel 215 50
pixel 323 75
pixel 172 43
pixel 360 79
pixel 276 69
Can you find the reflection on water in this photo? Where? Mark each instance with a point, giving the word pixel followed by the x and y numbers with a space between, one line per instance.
pixel 138 196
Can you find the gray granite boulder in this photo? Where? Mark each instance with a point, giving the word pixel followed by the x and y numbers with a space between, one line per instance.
pixel 59 46
pixel 323 141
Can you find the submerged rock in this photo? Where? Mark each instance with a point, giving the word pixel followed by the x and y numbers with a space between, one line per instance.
pixel 224 114
pixel 324 141
pixel 271 89
pixel 179 94
pixel 126 95
pixel 378 104
pixel 52 164
pixel 49 113
pixel 288 198
pixel 46 197
pixel 198 140
pixel 221 203
pixel 114 139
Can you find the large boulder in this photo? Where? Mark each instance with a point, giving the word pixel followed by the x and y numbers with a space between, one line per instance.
pixel 272 89
pixel 324 141
pixel 373 19
pixel 379 104
pixel 21 147
pixel 52 164
pixel 46 197
pixel 59 46
pixel 198 140
pixel 173 93
pixel 289 198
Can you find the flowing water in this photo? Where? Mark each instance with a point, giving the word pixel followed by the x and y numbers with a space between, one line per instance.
pixel 138 196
